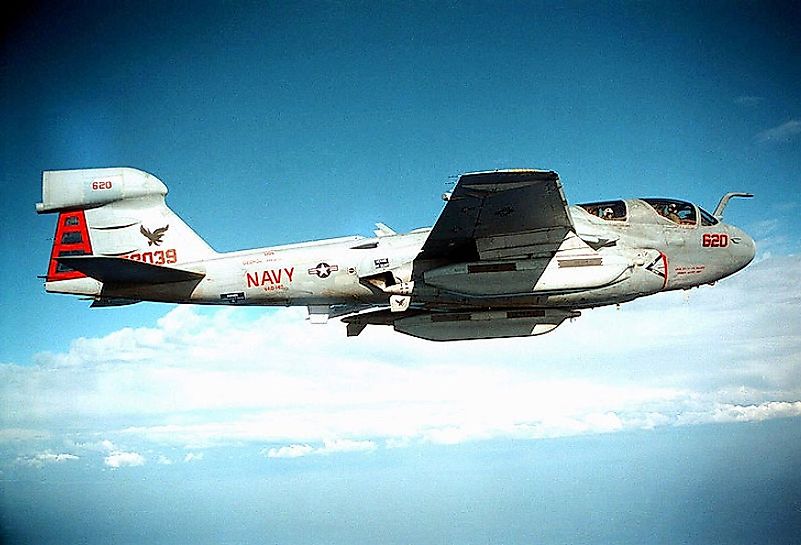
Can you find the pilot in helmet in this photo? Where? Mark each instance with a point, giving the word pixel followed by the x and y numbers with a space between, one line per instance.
pixel 672 213
pixel 608 213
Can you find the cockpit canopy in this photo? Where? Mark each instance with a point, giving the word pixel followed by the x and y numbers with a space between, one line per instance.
pixel 607 210
pixel 678 212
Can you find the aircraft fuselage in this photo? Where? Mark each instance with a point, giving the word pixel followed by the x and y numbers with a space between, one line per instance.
pixel 331 271
pixel 507 256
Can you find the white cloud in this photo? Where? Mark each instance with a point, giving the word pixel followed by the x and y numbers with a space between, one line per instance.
pixel 51 457
pixel 164 460
pixel 245 376
pixel 119 459
pixel 335 446
pixel 288 451
pixel 755 413
pixel 332 446
pixel 47 457
pixel 397 442
pixel 604 423
pixel 781 133
pixel 193 457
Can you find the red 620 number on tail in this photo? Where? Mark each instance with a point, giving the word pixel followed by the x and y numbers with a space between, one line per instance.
pixel 99 185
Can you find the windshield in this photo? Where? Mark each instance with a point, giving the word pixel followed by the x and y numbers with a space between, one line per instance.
pixel 707 218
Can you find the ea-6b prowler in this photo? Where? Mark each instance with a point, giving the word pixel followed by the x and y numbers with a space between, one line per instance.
pixel 507 257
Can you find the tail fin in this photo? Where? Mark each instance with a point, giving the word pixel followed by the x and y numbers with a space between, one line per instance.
pixel 112 212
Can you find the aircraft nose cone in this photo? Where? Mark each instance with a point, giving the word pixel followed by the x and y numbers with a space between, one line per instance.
pixel 743 248
pixel 749 249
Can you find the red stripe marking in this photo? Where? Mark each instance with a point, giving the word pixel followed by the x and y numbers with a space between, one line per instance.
pixel 72 235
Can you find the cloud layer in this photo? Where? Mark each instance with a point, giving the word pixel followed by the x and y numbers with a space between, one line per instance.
pixel 269 379
pixel 781 133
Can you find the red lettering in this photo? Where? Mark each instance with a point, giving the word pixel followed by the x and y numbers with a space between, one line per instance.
pixel 715 240
pixel 269 279
pixel 99 185
pixel 158 257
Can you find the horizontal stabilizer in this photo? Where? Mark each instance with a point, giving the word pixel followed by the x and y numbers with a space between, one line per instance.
pixel 117 270
pixel 381 230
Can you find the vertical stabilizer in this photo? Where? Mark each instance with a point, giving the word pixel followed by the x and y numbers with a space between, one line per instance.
pixel 112 212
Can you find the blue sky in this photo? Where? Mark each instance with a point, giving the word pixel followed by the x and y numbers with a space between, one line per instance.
pixel 273 123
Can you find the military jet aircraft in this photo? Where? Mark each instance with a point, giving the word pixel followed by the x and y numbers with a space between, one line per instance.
pixel 507 256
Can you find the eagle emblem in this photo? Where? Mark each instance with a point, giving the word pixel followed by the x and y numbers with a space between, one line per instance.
pixel 155 236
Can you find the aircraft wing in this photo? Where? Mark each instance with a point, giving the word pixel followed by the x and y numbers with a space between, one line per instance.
pixel 500 214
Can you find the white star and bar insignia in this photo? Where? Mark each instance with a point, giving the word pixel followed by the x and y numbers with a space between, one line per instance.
pixel 323 270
